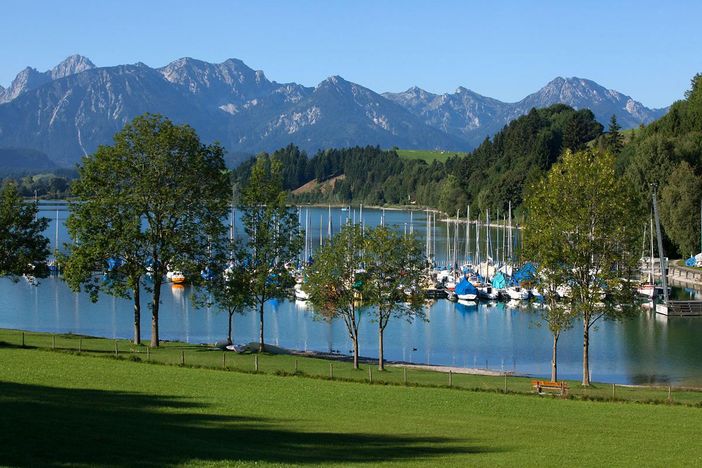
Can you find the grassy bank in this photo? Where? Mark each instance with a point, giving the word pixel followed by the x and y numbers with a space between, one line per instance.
pixel 63 408
pixel 282 363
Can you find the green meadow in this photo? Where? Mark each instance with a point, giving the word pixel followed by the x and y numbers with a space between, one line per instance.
pixel 427 155
pixel 62 407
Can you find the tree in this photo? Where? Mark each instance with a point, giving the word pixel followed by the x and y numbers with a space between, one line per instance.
pixel 558 315
pixel 23 246
pixel 154 199
pixel 680 208
pixel 395 266
pixel 335 281
pixel 109 239
pixel 273 237
pixel 228 286
pixel 583 228
pixel 615 140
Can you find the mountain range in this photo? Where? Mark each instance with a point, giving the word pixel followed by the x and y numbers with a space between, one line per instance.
pixel 70 110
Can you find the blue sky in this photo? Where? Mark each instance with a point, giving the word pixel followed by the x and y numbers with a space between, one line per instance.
pixel 502 49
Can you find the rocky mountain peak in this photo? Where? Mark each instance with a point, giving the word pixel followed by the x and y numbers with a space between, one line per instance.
pixel 27 79
pixel 70 66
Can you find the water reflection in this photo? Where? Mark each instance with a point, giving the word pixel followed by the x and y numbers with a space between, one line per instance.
pixel 494 335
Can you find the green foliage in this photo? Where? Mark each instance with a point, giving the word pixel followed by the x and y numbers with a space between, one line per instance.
pixel 23 247
pixel 395 265
pixel 582 232
pixel 54 185
pixel 491 176
pixel 229 286
pixel 335 281
pixel 273 237
pixel 680 208
pixel 155 199
pixel 652 156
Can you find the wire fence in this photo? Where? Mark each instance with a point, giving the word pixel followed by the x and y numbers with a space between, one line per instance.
pixel 201 356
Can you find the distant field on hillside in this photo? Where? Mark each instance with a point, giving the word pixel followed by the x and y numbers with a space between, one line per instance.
pixel 428 155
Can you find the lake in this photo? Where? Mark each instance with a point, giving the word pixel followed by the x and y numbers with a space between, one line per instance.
pixel 498 335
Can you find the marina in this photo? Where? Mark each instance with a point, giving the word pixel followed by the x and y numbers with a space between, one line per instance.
pixel 503 336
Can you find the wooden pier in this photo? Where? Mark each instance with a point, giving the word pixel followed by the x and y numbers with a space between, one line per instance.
pixel 680 309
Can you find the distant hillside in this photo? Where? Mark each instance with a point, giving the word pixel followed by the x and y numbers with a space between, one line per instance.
pixel 68 111
pixel 22 160
pixel 491 176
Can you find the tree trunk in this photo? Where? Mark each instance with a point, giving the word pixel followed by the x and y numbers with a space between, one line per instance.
pixel 586 354
pixel 554 359
pixel 261 343
pixel 229 330
pixel 381 364
pixel 355 352
pixel 154 311
pixel 137 315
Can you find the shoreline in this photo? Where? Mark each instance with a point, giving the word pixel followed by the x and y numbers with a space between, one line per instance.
pixel 408 365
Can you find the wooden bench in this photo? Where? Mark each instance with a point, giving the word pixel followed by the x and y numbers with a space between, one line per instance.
pixel 541 386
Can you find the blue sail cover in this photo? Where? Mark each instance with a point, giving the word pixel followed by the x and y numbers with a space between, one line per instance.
pixel 499 281
pixel 525 273
pixel 690 262
pixel 464 287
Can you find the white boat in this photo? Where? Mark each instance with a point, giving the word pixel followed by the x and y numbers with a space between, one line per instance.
pixel 177 277
pixel 536 294
pixel 300 293
pixel 650 290
pixel 467 297
pixel 487 292
pixel 517 293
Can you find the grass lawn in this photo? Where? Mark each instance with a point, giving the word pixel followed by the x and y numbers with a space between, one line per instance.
pixel 63 408
pixel 428 155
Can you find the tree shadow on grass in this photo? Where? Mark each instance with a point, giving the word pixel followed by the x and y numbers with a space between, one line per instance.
pixel 55 426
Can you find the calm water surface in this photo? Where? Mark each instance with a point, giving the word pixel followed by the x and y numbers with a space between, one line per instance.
pixel 499 336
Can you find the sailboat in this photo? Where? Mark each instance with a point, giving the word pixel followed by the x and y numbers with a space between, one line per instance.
pixel 649 289
pixel 52 263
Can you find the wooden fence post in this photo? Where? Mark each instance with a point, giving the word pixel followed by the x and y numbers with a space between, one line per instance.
pixel 182 357
pixel 505 388
pixel 370 374
pixel 224 359
pixel 331 370
pixel 404 375
pixel 116 349
pixel 256 362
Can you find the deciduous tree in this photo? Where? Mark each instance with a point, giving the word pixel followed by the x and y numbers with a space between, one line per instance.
pixel 160 195
pixel 583 228
pixel 335 281
pixel 273 237
pixel 23 246
pixel 395 265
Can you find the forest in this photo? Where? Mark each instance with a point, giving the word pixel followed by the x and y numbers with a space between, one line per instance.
pixel 665 156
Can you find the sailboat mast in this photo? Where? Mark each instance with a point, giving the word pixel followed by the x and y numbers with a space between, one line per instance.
pixel 650 270
pixel 661 255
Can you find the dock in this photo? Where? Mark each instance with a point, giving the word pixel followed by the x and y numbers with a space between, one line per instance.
pixel 680 309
